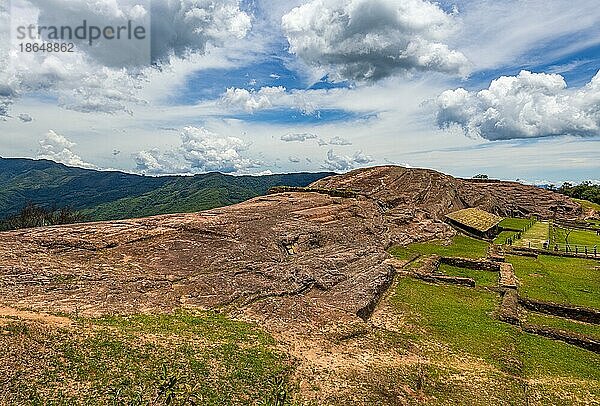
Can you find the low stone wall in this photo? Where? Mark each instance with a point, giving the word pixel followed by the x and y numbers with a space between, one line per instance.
pixel 476 264
pixel 435 278
pixel 428 272
pixel 579 340
pixel 431 265
pixel 507 279
pixel 571 312
pixel 495 253
pixel 509 309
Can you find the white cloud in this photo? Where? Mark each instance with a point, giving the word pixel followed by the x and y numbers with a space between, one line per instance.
pixel 272 98
pixel 200 151
pixel 57 148
pixel 177 27
pixel 298 137
pixel 186 26
pixel 373 39
pixel 26 118
pixel 339 141
pixel 517 33
pixel 251 101
pixel 336 162
pixel 155 162
pixel 529 105
pixel 107 78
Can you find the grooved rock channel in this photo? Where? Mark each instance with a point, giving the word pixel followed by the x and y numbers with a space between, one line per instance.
pixel 287 259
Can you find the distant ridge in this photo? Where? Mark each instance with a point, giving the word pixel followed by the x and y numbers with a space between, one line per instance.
pixel 113 195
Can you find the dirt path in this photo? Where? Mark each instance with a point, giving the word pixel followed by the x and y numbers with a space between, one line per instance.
pixel 7 313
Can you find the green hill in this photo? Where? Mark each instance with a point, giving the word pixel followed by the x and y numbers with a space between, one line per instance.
pixel 110 195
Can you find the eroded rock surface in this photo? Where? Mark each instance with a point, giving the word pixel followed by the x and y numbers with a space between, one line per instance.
pixel 426 192
pixel 290 259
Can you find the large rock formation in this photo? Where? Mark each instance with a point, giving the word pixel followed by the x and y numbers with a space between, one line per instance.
pixel 407 190
pixel 283 259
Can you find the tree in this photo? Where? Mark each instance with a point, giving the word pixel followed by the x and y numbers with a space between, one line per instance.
pixel 481 176
pixel 585 191
pixel 33 215
pixel 568 232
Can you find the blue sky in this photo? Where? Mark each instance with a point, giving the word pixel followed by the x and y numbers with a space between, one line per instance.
pixel 465 87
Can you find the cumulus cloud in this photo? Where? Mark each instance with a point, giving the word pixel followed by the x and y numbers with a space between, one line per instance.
pixel 298 137
pixel 251 101
pixel 529 105
pixel 339 141
pixel 155 162
pixel 200 151
pixel 177 28
pixel 271 98
pixel 108 77
pixel 335 162
pixel 373 39
pixel 57 148
pixel 180 27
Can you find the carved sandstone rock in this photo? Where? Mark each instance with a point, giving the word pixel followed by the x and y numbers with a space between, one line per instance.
pixel 287 259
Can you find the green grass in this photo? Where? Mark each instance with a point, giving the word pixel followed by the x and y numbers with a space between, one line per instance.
pixel 557 279
pixel 592 330
pixel 536 235
pixel 460 246
pixel 461 318
pixel 514 223
pixel 588 205
pixel 503 236
pixel 576 237
pixel 140 360
pixel 482 278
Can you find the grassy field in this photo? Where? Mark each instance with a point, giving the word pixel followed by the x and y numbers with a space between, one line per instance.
pixel 576 237
pixel 460 246
pixel 536 235
pixel 503 236
pixel 516 365
pixel 513 367
pixel 514 223
pixel 592 330
pixel 482 278
pixel 556 279
pixel 140 360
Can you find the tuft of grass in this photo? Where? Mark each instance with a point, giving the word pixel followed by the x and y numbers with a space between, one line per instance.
pixel 459 246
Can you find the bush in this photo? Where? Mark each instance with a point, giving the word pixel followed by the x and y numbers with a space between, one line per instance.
pixel 33 215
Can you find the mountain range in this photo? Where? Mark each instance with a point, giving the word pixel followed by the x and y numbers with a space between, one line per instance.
pixel 112 195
